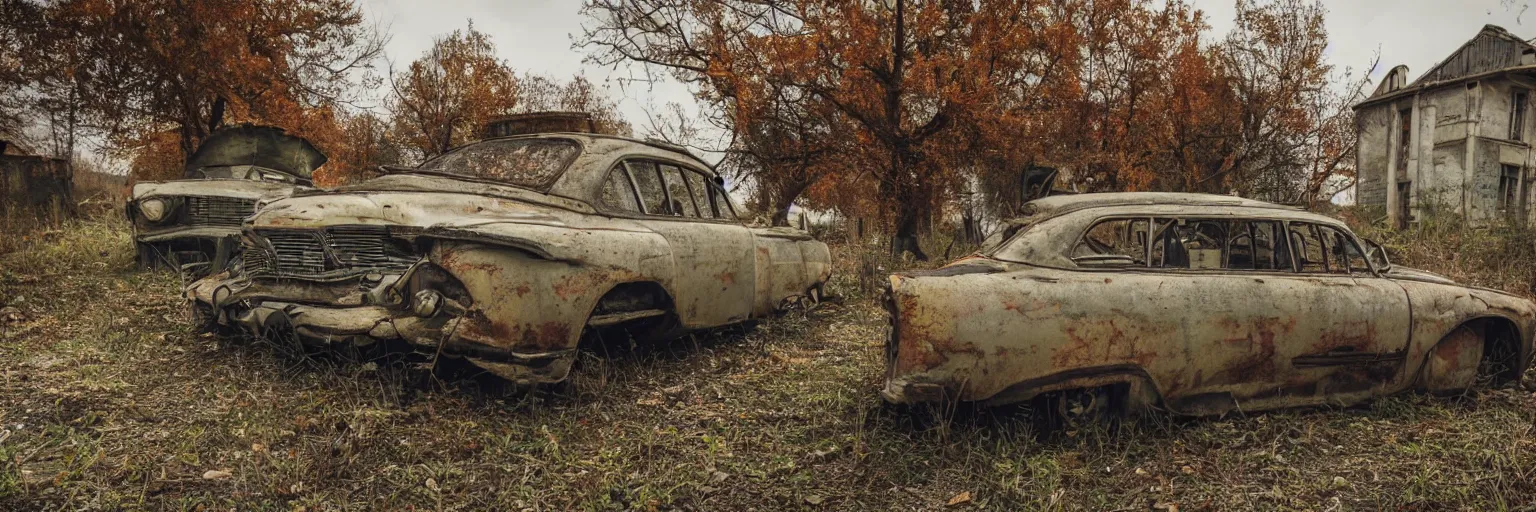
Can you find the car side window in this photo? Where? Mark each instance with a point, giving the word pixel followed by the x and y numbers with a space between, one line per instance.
pixel 618 194
pixel 1189 243
pixel 723 208
pixel 648 184
pixel 1343 254
pixel 700 193
pixel 1115 237
pixel 1254 246
pixel 1311 254
pixel 678 197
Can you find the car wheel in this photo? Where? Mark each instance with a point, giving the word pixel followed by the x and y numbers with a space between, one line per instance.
pixel 1077 409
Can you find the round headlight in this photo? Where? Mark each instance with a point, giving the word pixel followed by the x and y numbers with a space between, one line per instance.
pixel 426 303
pixel 153 209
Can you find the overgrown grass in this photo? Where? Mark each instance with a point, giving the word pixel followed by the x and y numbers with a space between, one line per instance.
pixel 108 401
pixel 1500 255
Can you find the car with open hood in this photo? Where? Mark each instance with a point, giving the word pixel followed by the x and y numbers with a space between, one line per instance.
pixel 196 220
pixel 1095 305
pixel 512 252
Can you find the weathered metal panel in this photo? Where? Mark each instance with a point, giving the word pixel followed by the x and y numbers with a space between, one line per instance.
pixel 1200 341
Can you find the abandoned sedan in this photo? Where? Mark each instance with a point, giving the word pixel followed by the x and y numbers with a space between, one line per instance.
pixel 196 220
pixel 510 252
pixel 1099 304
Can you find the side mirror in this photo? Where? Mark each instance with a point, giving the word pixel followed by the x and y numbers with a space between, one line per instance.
pixel 1105 261
pixel 1377 256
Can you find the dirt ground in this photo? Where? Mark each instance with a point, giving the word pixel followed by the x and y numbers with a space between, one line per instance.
pixel 108 401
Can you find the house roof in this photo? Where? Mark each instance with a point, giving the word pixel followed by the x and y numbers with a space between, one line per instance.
pixel 1492 51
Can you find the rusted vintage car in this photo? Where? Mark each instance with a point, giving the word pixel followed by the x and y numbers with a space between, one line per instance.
pixel 1098 304
pixel 196 220
pixel 510 253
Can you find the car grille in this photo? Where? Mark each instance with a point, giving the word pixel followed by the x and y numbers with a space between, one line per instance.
pixel 218 211
pixel 333 250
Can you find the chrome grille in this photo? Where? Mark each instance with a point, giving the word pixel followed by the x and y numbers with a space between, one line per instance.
pixel 218 211
pixel 338 249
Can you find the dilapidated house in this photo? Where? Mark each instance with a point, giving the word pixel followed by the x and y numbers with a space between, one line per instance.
pixel 1458 138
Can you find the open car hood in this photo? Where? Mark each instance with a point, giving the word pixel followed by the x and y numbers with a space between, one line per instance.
pixel 261 146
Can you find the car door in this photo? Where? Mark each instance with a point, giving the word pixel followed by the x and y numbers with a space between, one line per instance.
pixel 1230 289
pixel 713 256
pixel 1358 342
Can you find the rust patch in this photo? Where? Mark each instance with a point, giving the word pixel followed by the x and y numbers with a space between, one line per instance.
pixel 1361 336
pixel 1257 343
pixel 1100 341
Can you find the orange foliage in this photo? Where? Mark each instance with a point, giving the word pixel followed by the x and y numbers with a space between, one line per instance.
pixel 925 101
pixel 191 67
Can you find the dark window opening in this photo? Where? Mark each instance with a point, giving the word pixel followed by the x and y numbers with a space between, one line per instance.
pixel 1404 196
pixel 1509 190
pixel 1404 139
pixel 1517 114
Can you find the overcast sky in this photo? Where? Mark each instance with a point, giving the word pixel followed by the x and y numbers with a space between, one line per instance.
pixel 537 36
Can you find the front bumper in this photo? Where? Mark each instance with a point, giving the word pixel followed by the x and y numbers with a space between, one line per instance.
pixel 361 321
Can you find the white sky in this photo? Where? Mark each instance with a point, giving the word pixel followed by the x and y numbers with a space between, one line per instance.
pixel 538 36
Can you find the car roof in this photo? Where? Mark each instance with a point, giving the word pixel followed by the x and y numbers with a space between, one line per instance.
pixel 1056 205
pixel 670 149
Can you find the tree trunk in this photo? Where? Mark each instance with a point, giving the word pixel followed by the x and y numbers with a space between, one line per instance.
pixel 216 116
pixel 784 199
pixel 905 238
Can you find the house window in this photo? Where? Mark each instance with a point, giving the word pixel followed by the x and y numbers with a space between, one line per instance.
pixel 1509 189
pixel 1404 138
pixel 1517 114
pixel 1404 195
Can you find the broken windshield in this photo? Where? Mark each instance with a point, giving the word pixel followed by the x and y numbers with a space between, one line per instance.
pixel 528 163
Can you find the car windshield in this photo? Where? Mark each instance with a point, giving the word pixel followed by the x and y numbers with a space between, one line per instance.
pixel 528 163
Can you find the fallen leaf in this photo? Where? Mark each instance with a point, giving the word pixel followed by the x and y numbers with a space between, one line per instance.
pixel 215 474
pixel 960 499
pixel 1187 470
pixel 813 499
pixel 432 484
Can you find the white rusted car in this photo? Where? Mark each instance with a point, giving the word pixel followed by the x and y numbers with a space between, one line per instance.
pixel 197 219
pixel 510 252
pixel 1099 304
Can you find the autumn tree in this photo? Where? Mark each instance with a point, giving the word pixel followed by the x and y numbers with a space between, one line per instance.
pixel 445 96
pixel 539 93
pixel 900 72
pixel 364 143
pixel 18 22
pixel 1296 128
pixel 150 65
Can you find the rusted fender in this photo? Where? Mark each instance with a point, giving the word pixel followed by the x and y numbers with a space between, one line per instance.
pixel 1440 309
pixel 525 303
pixel 789 263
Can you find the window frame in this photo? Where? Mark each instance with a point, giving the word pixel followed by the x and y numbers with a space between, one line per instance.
pixel 1293 266
pixel 623 162
pixel 634 191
